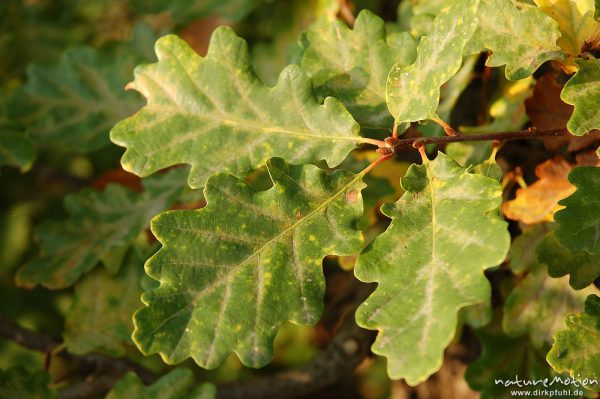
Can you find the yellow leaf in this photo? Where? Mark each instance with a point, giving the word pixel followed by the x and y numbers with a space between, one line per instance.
pixel 538 202
pixel 575 19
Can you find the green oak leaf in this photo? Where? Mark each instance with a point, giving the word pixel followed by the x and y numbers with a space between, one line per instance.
pixel 417 16
pixel 233 271
pixel 477 315
pixel 468 154
pixel 576 349
pixel 383 185
pixel 539 303
pixel 99 223
pixel 99 318
pixel 182 11
pixel 429 264
pixel 503 359
pixel 522 254
pixel 523 40
pixel 19 383
pixel 213 113
pixel 15 149
pixel 413 91
pixel 489 167
pixel 177 384
pixel 582 91
pixel 579 223
pixel 450 92
pixel 74 103
pixel 583 267
pixel 352 64
pixel 273 51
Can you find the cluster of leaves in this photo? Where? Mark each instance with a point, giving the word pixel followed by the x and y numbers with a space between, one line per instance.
pixel 288 180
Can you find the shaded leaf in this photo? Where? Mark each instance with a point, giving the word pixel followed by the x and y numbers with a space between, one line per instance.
pixel 39 32
pixel 233 271
pixel 444 232
pixel 539 303
pixel 417 16
pixel 182 11
pixel 15 149
pixel 408 21
pixel 413 91
pixel 575 348
pixel 287 21
pixel 507 111
pixel 575 20
pixel 100 316
pixel 74 103
pixel 521 40
pixel 477 315
pixel 352 64
pixel 579 223
pixel 582 91
pixel 177 384
pixel 538 202
pixel 17 382
pixel 583 267
pixel 508 114
pixel 99 223
pixel 504 359
pixel 383 184
pixel 213 113
pixel 522 254
pixel 489 167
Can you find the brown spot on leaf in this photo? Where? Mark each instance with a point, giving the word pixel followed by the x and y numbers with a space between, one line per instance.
pixel 352 195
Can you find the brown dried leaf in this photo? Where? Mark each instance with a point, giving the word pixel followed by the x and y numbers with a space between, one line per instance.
pixel 547 111
pixel 538 202
pixel 588 158
pixel 545 108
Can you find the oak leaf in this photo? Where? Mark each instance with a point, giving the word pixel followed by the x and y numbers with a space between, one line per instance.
pixel 547 110
pixel 538 202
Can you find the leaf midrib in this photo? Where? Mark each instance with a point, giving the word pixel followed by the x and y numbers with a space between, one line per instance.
pixel 249 125
pixel 226 276
pixel 216 283
pixel 433 270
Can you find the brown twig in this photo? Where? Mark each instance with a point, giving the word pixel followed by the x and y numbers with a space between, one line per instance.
pixel 29 339
pixel 449 130
pixel 346 12
pixel 502 136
